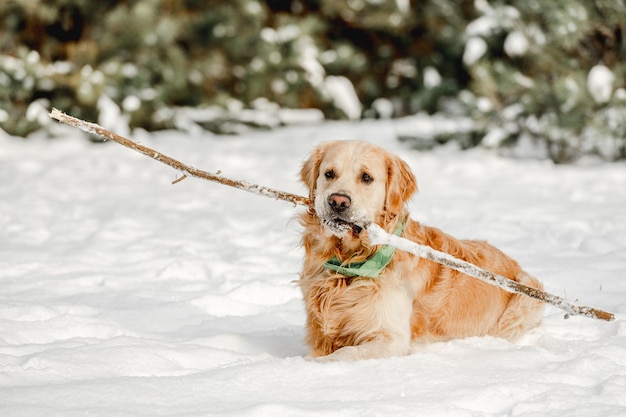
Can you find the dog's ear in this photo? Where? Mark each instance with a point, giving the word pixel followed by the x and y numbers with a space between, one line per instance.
pixel 310 169
pixel 401 184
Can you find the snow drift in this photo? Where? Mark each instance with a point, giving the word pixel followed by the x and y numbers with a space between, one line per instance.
pixel 121 294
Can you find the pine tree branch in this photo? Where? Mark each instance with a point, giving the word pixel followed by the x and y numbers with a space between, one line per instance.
pixel 377 235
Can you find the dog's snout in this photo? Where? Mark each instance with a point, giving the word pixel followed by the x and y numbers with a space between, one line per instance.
pixel 339 202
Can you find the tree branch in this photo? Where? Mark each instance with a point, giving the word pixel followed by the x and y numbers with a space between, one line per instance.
pixel 187 171
pixel 377 235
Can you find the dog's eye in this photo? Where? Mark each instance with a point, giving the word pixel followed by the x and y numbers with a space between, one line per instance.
pixel 330 174
pixel 366 179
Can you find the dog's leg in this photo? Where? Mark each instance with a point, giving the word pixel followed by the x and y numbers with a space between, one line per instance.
pixel 521 314
pixel 374 349
pixel 385 328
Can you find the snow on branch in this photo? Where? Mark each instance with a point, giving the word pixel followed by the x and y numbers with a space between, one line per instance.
pixel 186 170
pixel 376 234
pixel 379 237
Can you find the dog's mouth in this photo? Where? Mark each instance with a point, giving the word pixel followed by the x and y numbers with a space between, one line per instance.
pixel 340 226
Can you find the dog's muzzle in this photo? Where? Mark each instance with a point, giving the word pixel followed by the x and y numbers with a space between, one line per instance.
pixel 338 217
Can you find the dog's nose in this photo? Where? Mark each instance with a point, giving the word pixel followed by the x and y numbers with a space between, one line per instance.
pixel 339 202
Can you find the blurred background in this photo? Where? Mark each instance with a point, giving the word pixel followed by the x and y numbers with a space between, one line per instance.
pixel 549 74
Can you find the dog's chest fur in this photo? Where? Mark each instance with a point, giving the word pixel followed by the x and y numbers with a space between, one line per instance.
pixel 345 311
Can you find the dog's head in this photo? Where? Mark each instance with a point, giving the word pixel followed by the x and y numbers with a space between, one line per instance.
pixel 353 182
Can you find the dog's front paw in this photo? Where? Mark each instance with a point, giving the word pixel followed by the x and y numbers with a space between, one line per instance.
pixel 346 353
pixel 371 350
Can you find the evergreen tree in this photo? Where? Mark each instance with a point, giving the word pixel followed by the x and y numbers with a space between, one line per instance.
pixel 150 57
pixel 553 72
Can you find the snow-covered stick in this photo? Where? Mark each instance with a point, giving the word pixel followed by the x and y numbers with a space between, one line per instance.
pixel 186 170
pixel 379 237
pixel 376 234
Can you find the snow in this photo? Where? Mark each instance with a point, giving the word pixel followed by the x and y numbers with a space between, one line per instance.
pixel 432 78
pixel 475 48
pixel 122 294
pixel 600 83
pixel 516 44
pixel 343 95
pixel 111 116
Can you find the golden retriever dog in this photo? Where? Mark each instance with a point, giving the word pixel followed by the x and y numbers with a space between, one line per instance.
pixel 366 301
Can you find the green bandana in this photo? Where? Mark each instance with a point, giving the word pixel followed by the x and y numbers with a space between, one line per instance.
pixel 372 266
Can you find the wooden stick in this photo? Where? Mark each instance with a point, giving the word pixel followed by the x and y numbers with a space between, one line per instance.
pixel 186 170
pixel 377 235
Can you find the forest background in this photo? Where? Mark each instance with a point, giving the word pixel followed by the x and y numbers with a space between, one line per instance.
pixel 551 74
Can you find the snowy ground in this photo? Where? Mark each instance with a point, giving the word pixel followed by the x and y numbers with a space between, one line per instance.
pixel 121 294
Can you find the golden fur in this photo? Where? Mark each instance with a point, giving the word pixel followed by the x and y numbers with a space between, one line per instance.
pixel 413 300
